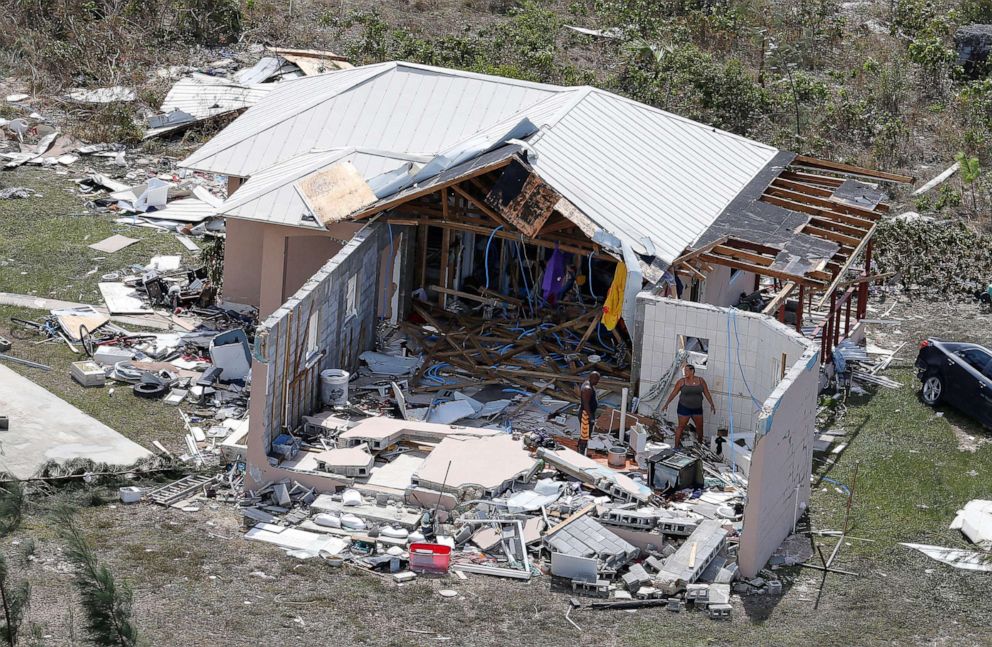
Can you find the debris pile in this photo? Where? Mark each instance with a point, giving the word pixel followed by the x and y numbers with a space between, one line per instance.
pixel 418 498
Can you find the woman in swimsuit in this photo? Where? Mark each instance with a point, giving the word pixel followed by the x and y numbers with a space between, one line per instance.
pixel 690 391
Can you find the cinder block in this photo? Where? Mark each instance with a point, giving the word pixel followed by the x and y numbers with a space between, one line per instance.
pixel 720 611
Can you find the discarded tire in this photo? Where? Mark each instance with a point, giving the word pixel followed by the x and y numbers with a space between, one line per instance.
pixel 150 391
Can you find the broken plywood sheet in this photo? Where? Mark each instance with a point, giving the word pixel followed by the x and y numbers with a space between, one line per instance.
pixel 113 244
pixel 335 192
pixel 123 300
pixel 311 61
pixel 523 198
pixel 73 321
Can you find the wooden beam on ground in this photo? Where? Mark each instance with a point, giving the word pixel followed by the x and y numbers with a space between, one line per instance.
pixel 850 169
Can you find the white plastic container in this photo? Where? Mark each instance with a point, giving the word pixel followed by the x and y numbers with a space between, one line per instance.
pixel 131 494
pixel 334 387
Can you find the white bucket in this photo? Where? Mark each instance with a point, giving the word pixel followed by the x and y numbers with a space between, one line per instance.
pixel 334 387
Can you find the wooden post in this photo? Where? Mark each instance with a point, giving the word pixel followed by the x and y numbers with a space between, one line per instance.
pixel 836 338
pixel 445 252
pixel 847 314
pixel 799 309
pixel 781 311
pixel 422 235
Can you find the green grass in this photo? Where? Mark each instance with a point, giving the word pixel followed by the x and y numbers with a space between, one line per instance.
pixel 44 240
pixel 911 474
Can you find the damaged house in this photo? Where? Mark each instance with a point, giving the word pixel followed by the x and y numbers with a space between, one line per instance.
pixel 439 232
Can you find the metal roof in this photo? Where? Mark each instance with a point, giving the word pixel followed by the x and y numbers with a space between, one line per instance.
pixel 271 195
pixel 649 178
pixel 639 172
pixel 390 106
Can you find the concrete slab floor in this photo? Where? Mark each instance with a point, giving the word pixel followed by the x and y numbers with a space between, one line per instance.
pixel 44 427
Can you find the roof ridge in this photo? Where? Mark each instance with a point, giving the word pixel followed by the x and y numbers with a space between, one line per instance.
pixel 506 80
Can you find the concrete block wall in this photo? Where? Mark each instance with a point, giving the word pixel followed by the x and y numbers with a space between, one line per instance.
pixel 778 486
pixel 744 362
pixel 342 336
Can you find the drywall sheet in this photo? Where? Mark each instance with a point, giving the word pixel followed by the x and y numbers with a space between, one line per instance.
pixel 123 300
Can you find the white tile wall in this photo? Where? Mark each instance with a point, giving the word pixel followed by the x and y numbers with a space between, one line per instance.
pixel 755 356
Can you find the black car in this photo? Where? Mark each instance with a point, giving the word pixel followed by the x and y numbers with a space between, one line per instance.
pixel 959 374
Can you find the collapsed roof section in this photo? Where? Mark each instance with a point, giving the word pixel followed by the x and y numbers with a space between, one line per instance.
pixel 630 175
pixel 795 223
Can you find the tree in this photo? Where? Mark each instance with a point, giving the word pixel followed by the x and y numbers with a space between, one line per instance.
pixel 970 171
pixel 107 603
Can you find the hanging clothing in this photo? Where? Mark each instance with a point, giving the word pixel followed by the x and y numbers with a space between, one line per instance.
pixel 554 277
pixel 613 308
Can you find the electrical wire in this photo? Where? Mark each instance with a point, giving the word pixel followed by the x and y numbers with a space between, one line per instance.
pixel 490 242
pixel 754 401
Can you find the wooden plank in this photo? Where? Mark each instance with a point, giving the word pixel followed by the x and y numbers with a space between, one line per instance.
pixel 863 216
pixel 570 518
pixel 823 223
pixel 834 236
pixel 840 274
pixel 850 169
pixel 523 198
pixel 779 298
pixel 758 269
pixel 445 254
pixel 812 178
pixel 588 332
pixel 688 256
pixel 506 235
pixel 813 210
pixel 335 192
pixel 483 207
pixel 801 187
pixel 744 255
pixel 423 231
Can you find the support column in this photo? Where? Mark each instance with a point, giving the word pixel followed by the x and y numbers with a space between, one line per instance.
pixel 847 314
pixel 799 309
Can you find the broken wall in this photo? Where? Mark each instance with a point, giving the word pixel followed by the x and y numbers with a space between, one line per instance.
pixel 769 374
pixel 778 487
pixel 339 301
pixel 748 353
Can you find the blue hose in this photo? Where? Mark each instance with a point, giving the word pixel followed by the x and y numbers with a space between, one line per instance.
pixel 589 278
pixel 488 243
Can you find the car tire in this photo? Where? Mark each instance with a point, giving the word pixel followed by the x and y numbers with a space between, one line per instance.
pixel 932 391
pixel 150 391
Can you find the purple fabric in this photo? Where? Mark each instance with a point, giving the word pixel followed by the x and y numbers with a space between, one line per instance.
pixel 554 277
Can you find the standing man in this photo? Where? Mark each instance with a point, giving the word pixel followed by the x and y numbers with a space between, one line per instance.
pixel 587 410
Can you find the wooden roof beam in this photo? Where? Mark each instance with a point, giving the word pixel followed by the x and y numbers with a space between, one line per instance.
pixel 812 178
pixel 751 257
pixel 850 169
pixel 833 236
pixel 758 269
pixel 864 214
